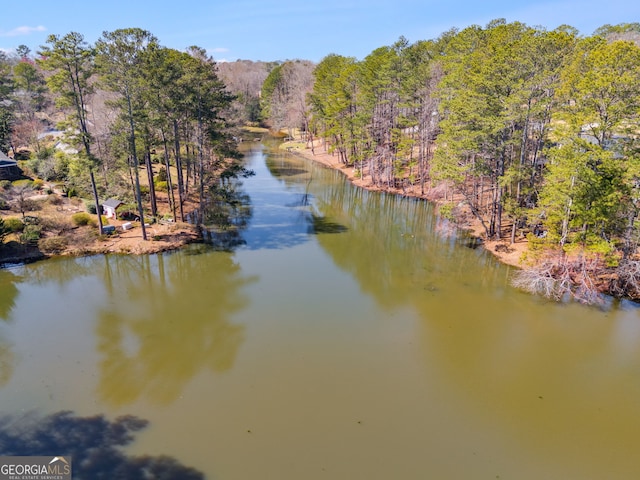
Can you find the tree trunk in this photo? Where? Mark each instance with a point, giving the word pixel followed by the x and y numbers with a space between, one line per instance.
pixel 167 166
pixel 176 134
pixel 152 188
pixel 134 157
pixel 95 199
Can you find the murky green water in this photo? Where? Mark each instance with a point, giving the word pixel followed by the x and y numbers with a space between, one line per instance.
pixel 344 337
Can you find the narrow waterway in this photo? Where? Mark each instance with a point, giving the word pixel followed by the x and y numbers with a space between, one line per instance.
pixel 331 333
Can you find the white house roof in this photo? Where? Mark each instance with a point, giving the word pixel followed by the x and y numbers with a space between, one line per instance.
pixel 112 203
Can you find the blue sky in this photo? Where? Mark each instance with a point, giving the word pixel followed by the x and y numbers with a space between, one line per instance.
pixel 288 29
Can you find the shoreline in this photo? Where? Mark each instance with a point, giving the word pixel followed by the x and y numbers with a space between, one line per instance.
pixel 83 240
pixel 160 239
pixel 510 254
pixel 165 237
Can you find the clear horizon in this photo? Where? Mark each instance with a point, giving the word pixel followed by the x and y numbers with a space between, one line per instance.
pixel 270 30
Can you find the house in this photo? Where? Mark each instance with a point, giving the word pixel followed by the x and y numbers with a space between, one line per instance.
pixel 110 207
pixel 9 169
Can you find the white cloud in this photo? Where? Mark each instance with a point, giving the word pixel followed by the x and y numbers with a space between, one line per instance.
pixel 23 30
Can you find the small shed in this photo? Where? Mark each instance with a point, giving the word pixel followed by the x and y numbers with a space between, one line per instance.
pixel 110 208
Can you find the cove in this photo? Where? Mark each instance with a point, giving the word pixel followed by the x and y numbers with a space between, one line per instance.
pixel 328 332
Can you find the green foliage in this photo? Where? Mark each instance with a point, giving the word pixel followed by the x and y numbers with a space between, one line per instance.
pixel 607 30
pixel 13 224
pixel 24 183
pixel 7 115
pixel 162 175
pixel 598 247
pixel 334 104
pixel 50 164
pixel 273 81
pixel 45 152
pixel 534 125
pixel 161 186
pixel 30 82
pixel 71 63
pixel 81 219
pixel 446 211
pixel 4 229
pixel 90 206
pixel 31 234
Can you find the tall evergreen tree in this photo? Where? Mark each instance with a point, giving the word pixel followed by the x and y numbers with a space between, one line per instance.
pixel 72 62
pixel 592 176
pixel 120 57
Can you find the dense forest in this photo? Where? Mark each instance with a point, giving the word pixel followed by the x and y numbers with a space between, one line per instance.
pixel 87 117
pixel 534 132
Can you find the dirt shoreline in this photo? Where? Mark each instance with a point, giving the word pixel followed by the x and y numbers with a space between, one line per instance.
pixel 84 241
pixel 503 250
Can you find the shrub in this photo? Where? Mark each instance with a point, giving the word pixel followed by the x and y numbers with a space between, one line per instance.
pixel 38 184
pixel 161 186
pixel 81 219
pixel 162 175
pixel 30 205
pixel 22 154
pixel 4 230
pixel 54 199
pixel 23 183
pixel 5 184
pixel 446 211
pixel 55 223
pixel 52 244
pixel 90 207
pixel 30 234
pixel 14 224
pixel 45 153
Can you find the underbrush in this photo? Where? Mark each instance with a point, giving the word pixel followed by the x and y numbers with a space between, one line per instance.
pixel 582 277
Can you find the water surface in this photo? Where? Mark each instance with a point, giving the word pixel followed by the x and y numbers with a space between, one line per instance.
pixel 341 334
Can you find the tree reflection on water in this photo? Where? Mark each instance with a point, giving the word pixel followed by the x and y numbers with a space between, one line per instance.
pixel 226 211
pixel 168 322
pixel 94 443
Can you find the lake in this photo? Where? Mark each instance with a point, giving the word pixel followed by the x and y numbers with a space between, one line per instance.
pixel 327 333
